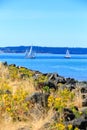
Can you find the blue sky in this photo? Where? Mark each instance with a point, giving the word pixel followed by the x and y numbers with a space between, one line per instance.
pixel 54 23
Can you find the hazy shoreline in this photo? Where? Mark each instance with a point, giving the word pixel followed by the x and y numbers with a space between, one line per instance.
pixel 40 49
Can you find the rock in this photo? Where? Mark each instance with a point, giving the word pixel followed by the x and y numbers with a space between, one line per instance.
pixel 84 90
pixel 61 80
pixel 70 87
pixel 84 96
pixel 84 103
pixel 7 92
pixel 53 76
pixel 5 63
pixel 39 103
pixel 53 80
pixel 58 79
pixel 70 81
pixel 12 65
pixel 40 98
pixel 68 114
pixel 37 112
pixel 80 123
pixel 51 85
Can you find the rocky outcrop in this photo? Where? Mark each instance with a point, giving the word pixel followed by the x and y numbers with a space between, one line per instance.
pixel 38 98
pixel 80 123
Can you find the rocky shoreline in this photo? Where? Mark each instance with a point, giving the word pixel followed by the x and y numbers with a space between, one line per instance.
pixel 71 84
pixel 50 83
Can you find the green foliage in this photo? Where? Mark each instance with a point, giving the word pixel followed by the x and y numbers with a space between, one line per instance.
pixel 19 72
pixel 13 72
pixel 26 72
pixel 63 98
pixel 46 89
pixel 76 112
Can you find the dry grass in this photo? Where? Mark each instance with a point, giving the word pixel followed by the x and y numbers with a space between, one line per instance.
pixel 28 85
pixel 13 125
pixel 78 97
pixel 3 71
pixel 38 124
pixel 32 125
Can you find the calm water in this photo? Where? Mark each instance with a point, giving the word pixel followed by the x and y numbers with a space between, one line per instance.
pixel 75 67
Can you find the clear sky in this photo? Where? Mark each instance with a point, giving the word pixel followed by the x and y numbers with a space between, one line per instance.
pixel 54 23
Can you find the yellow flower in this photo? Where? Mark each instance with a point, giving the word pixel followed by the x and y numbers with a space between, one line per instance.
pixel 76 128
pixel 58 99
pixel 80 112
pixel 8 109
pixel 69 127
pixel 5 96
pixel 60 126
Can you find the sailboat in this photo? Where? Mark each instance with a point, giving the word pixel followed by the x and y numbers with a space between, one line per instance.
pixel 29 53
pixel 67 54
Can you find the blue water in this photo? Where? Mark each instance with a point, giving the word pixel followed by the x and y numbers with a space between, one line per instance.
pixel 75 67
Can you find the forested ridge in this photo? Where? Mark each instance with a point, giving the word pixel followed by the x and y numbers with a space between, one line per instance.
pixel 39 49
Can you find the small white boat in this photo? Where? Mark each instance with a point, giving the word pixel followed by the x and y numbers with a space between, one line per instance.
pixel 67 54
pixel 30 54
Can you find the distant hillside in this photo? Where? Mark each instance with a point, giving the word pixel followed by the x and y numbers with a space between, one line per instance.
pixel 39 49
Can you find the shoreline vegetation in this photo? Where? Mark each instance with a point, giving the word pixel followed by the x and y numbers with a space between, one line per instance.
pixel 31 100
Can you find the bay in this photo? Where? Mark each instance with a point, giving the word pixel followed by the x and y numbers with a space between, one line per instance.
pixel 75 67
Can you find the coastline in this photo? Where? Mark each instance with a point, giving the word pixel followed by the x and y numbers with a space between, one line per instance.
pixel 75 67
pixel 31 96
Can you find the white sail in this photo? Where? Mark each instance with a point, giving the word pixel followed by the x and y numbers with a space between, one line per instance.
pixel 26 53
pixel 67 54
pixel 30 53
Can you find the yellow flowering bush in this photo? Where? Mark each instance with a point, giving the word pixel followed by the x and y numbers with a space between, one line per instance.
pixel 13 72
pixel 63 98
pixel 69 127
pixel 59 126
pixel 62 126
pixel 13 104
pixel 17 83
